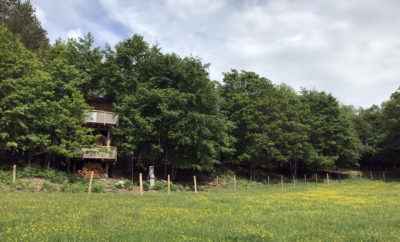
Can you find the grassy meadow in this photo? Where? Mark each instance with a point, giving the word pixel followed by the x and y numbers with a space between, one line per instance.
pixel 354 210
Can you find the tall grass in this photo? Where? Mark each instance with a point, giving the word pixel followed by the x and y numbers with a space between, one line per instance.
pixel 348 211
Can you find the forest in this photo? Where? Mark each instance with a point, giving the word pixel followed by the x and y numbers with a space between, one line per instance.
pixel 171 114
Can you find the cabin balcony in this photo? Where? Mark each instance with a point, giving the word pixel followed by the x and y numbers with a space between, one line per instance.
pixel 101 117
pixel 100 153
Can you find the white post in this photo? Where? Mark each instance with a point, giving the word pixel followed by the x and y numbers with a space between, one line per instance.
pixel 169 184
pixel 152 177
pixel 140 184
pixel 14 173
pixel 195 184
pixel 234 183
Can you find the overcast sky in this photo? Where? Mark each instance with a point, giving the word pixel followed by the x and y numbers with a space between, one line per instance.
pixel 350 48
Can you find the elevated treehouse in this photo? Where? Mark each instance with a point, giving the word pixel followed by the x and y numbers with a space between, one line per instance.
pixel 101 119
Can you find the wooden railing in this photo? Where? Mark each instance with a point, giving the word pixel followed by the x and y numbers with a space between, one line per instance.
pixel 101 117
pixel 100 152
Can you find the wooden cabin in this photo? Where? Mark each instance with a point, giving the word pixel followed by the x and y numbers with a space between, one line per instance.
pixel 101 119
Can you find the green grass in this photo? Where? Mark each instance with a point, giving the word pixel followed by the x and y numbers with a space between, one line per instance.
pixel 348 211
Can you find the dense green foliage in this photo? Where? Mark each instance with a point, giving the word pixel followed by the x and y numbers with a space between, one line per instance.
pixel 19 17
pixel 171 114
pixel 348 211
pixel 276 127
pixel 42 109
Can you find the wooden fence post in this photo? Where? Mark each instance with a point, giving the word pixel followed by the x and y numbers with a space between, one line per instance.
pixel 14 173
pixel 268 180
pixel 169 184
pixel 140 184
pixel 234 183
pixel 327 178
pixel 305 179
pixel 195 184
pixel 282 182
pixel 90 182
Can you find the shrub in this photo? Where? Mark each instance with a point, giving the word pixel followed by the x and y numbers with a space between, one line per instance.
pixel 22 185
pixel 5 177
pixel 97 187
pixel 162 185
pixel 48 174
pixel 74 187
pixel 49 187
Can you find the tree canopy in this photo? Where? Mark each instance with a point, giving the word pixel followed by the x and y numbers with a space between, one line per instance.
pixel 171 114
pixel 20 18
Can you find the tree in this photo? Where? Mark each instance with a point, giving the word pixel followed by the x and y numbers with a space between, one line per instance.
pixel 391 129
pixel 168 107
pixel 369 124
pixel 84 56
pixel 267 120
pixel 331 130
pixel 20 18
pixel 42 108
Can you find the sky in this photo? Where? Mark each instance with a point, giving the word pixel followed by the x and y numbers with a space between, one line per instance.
pixel 350 48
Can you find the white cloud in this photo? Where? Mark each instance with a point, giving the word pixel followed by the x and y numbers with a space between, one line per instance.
pixel 348 48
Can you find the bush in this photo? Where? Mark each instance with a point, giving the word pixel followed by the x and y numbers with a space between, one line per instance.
pixel 74 187
pixel 97 187
pixel 5 177
pixel 49 187
pixel 22 185
pixel 123 184
pixel 48 174
pixel 162 185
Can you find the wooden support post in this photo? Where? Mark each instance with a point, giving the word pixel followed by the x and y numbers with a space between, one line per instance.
pixel 305 179
pixel 90 182
pixel 14 173
pixel 140 183
pixel 195 184
pixel 217 181
pixel 282 183
pixel 327 178
pixel 268 180
pixel 234 183
pixel 316 178
pixel 169 184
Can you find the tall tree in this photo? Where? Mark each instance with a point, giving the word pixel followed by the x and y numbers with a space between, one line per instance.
pixel 268 122
pixel 369 124
pixel 169 109
pixel 42 108
pixel 20 18
pixel 331 130
pixel 391 129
